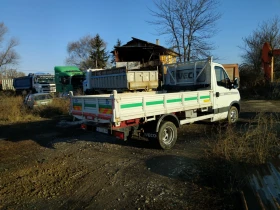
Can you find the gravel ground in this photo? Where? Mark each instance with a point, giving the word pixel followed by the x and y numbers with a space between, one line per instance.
pixel 45 165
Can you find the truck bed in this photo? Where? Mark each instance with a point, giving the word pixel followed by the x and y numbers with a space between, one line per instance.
pixel 126 106
pixel 122 79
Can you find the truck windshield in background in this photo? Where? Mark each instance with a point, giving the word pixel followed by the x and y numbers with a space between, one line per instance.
pixel 68 78
pixel 77 81
pixel 45 79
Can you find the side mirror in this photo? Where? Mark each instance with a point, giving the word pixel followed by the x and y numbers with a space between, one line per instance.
pixel 236 83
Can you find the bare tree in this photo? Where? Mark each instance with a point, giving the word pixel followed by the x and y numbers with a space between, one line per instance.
pixel 267 31
pixel 88 52
pixel 189 24
pixel 8 56
pixel 6 73
pixel 79 52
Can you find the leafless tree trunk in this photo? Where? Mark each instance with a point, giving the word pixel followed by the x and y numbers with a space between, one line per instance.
pixel 8 55
pixel 189 24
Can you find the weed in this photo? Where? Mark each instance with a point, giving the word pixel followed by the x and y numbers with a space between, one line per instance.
pixel 253 144
pixel 235 150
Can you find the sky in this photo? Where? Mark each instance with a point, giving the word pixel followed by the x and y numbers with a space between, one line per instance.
pixel 45 27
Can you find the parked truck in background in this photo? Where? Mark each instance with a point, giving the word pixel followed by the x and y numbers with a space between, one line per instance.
pixel 68 78
pixel 193 91
pixel 120 79
pixel 6 84
pixel 35 83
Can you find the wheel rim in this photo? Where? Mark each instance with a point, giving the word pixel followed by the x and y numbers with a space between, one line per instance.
pixel 233 115
pixel 168 135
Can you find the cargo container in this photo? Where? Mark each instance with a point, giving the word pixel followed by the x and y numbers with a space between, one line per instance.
pixel 120 79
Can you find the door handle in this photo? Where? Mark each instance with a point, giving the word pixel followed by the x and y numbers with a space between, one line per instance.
pixel 217 94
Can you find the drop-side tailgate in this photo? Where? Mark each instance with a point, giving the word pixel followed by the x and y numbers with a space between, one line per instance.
pixel 92 107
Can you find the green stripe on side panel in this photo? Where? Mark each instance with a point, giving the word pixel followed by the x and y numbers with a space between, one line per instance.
pixel 90 105
pixel 150 103
pixel 105 106
pixel 125 106
pixel 174 100
pixel 204 97
pixel 190 98
pixel 154 102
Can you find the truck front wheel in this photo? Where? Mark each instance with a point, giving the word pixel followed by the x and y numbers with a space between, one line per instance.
pixel 167 135
pixel 232 115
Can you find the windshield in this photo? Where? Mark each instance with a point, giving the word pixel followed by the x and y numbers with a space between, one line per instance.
pixel 46 79
pixel 43 97
pixel 77 81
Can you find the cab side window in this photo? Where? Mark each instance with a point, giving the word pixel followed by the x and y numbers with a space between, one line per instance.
pixel 221 77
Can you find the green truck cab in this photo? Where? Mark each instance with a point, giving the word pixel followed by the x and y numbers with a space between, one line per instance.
pixel 68 78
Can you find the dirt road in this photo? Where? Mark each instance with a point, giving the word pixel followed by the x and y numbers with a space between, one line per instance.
pixel 48 167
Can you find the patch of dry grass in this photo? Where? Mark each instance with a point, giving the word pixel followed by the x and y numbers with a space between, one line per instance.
pixel 12 110
pixel 59 106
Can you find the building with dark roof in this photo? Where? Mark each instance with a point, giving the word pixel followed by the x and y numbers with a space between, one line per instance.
pixel 148 54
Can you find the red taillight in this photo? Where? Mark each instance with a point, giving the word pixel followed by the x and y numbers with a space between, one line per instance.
pixel 119 135
pixel 83 126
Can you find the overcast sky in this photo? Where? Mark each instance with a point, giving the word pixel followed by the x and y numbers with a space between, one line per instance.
pixel 45 27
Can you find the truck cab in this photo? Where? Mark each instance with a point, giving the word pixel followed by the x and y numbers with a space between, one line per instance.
pixel 68 78
pixel 35 83
pixel 206 75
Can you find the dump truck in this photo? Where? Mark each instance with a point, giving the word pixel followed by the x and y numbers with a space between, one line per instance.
pixel 35 83
pixel 192 91
pixel 120 79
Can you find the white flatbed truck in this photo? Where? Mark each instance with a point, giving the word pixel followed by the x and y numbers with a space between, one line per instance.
pixel 194 91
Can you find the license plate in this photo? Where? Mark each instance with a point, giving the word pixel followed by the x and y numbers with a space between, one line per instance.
pixel 102 130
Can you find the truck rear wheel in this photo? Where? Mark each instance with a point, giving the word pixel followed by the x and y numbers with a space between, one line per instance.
pixel 167 135
pixel 233 115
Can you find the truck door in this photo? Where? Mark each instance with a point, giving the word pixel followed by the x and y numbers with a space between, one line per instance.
pixel 224 94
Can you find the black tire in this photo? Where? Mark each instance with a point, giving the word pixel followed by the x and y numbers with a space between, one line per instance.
pixel 233 115
pixel 167 135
